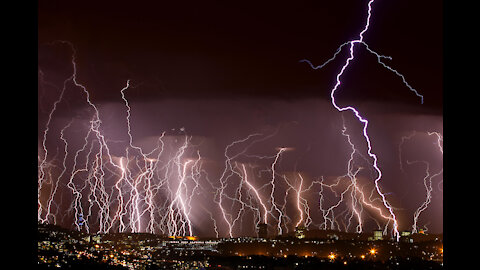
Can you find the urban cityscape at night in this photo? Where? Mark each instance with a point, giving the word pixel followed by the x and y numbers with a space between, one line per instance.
pixel 218 135
pixel 60 248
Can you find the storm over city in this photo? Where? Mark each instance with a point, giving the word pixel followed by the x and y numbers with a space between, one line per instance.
pixel 222 119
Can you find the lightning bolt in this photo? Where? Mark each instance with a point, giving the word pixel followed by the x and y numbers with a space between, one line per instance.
pixel 256 194
pixel 272 182
pixel 299 191
pixel 54 189
pixel 427 180
pixel 403 139
pixel 363 120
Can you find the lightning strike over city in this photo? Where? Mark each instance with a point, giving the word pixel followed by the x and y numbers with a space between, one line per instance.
pixel 212 125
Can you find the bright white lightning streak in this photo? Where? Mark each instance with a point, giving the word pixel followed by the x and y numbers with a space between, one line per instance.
pixel 299 191
pixel 427 182
pixel 272 182
pixel 440 147
pixel 439 139
pixel 195 172
pixel 239 198
pixel 129 131
pixel 256 194
pixel 353 178
pixel 299 201
pixel 119 215
pixel 363 120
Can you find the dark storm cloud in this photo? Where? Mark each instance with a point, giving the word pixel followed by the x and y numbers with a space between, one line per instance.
pixel 213 49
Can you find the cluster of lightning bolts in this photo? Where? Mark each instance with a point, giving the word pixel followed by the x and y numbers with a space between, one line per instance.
pixel 427 180
pixel 154 191
pixel 141 180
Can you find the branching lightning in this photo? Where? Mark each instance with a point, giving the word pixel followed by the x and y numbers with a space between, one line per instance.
pixel 360 118
pixel 427 180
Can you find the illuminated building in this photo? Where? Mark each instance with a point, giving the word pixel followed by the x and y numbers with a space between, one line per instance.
pixel 262 230
pixel 406 237
pixel 96 238
pixel 300 232
pixel 377 235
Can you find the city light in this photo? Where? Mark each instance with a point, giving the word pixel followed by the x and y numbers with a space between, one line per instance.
pixel 139 250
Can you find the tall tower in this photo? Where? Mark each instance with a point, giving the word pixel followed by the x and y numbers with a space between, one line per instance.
pixel 262 230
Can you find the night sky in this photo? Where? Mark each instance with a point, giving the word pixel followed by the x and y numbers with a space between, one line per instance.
pixel 221 70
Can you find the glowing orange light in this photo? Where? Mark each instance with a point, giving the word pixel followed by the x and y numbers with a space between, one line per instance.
pixel 373 251
pixel 363 256
pixel 331 256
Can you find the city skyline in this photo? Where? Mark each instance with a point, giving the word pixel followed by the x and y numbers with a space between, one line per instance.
pixel 59 247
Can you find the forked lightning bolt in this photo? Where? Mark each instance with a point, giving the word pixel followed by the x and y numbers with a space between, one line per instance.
pixel 360 118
